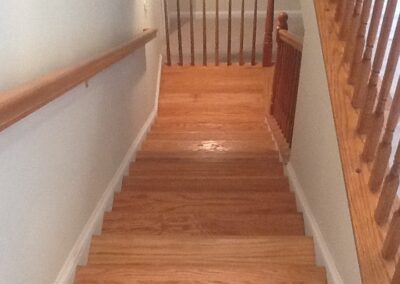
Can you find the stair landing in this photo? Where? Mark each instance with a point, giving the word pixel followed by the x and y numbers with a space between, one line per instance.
pixel 206 200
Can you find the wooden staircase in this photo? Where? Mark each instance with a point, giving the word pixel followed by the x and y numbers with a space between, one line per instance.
pixel 206 200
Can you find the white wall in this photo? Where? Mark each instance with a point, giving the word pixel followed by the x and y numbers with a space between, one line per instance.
pixel 56 163
pixel 315 155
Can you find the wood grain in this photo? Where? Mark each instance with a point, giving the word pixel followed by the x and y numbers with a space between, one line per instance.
pixel 18 103
pixel 368 235
pixel 223 274
pixel 206 199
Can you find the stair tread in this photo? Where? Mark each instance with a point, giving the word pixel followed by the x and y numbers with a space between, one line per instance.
pixel 209 146
pixel 244 167
pixel 167 126
pixel 211 135
pixel 255 274
pixel 205 201
pixel 133 249
pixel 204 223
pixel 195 183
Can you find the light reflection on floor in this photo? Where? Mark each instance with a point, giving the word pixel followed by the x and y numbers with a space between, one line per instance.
pixel 211 146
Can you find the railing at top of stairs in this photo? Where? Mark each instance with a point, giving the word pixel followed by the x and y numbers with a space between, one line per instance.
pixel 268 33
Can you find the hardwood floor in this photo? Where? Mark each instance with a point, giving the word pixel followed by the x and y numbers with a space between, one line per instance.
pixel 206 200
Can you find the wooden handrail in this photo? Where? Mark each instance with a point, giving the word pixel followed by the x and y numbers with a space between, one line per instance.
pixel 286 78
pixel 20 102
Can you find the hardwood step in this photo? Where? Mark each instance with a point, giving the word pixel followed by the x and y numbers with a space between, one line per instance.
pixel 168 126
pixel 222 274
pixel 209 156
pixel 220 100
pixel 195 184
pixel 205 109
pixel 204 223
pixel 178 250
pixel 176 107
pixel 207 80
pixel 207 118
pixel 259 136
pixel 203 202
pixel 179 167
pixel 209 146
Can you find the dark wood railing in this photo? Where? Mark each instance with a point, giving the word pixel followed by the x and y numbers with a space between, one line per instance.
pixel 365 27
pixel 286 78
pixel 267 43
pixel 20 102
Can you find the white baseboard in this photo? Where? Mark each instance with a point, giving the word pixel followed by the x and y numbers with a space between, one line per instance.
pixel 323 254
pixel 80 251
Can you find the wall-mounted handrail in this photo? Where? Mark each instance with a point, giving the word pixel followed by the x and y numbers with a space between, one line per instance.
pixel 18 103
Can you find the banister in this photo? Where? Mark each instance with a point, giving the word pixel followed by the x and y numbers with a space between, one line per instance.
pixel 18 103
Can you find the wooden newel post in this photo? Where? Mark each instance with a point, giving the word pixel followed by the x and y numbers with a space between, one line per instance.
pixel 282 24
pixel 269 28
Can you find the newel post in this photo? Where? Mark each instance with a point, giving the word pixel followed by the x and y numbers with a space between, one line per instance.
pixel 268 40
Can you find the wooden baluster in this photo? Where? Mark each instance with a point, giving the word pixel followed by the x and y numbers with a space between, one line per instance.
pixel 340 7
pixel 377 118
pixel 217 32
pixel 204 34
pixel 346 19
pixel 353 31
pixel 389 190
pixel 167 40
pixel 192 58
pixel 367 98
pixel 229 53
pixel 178 11
pixel 253 50
pixel 360 40
pixel 396 275
pixel 392 240
pixel 241 56
pixel 385 147
pixel 269 27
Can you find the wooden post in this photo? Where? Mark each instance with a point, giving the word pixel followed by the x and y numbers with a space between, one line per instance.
pixel 253 50
pixel 392 240
pixel 361 66
pixel 216 32
pixel 360 40
pixel 377 118
pixel 192 59
pixel 241 56
pixel 389 191
pixel 229 52
pixel 367 98
pixel 385 147
pixel 396 275
pixel 353 31
pixel 282 25
pixel 340 6
pixel 269 27
pixel 167 40
pixel 346 21
pixel 204 34
pixel 178 11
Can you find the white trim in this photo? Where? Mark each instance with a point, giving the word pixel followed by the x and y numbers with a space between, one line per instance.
pixel 323 254
pixel 80 250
